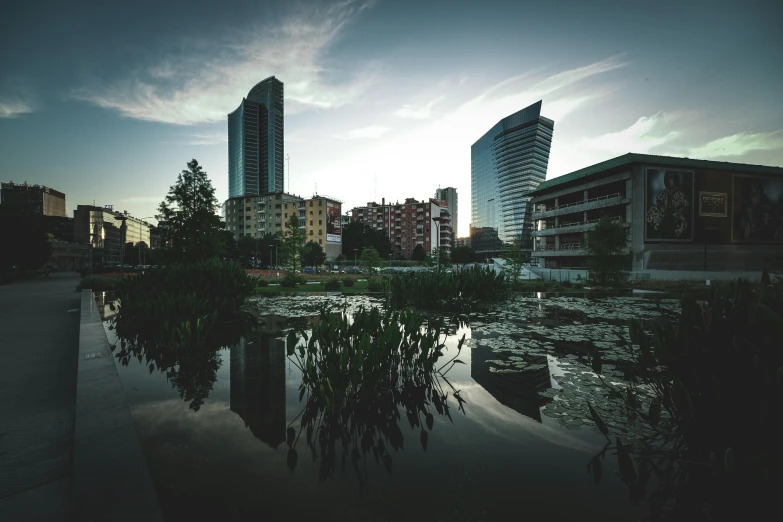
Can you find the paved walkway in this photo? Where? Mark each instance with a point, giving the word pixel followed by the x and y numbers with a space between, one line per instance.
pixel 39 344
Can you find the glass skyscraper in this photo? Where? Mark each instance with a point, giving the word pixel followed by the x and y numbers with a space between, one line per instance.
pixel 506 164
pixel 255 141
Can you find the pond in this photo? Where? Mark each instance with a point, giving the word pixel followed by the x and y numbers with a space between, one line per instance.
pixel 515 444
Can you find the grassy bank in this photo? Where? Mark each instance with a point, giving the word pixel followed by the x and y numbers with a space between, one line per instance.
pixel 358 287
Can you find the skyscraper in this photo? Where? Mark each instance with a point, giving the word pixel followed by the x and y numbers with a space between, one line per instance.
pixel 255 141
pixel 507 163
pixel 449 195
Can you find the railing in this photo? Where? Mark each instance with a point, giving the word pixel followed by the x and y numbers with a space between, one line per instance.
pixel 575 203
pixel 565 246
pixel 576 223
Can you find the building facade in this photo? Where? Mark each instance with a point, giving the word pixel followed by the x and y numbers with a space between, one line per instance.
pixel 681 214
pixel 425 223
pixel 255 216
pixel 255 142
pixel 101 229
pixel 323 223
pixel 449 195
pixel 36 199
pixel 507 163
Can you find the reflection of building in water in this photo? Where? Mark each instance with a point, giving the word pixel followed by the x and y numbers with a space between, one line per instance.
pixel 258 386
pixel 518 389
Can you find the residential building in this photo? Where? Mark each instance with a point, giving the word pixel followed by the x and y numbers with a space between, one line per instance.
pixel 463 241
pixel 255 216
pixel 449 195
pixel 507 163
pixel 36 199
pixel 408 224
pixel 681 214
pixel 255 142
pixel 323 223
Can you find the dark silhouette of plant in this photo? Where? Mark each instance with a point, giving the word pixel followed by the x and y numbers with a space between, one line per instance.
pixel 706 391
pixel 462 255
pixel 418 254
pixel 358 375
pixel 313 254
pixel 607 264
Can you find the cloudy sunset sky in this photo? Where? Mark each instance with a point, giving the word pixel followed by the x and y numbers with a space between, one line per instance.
pixel 382 98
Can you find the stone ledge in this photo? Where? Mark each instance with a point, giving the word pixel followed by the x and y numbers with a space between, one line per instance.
pixel 111 481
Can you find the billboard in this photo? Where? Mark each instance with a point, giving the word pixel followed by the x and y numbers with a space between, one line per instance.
pixel 668 205
pixel 333 224
pixel 757 210
pixel 713 204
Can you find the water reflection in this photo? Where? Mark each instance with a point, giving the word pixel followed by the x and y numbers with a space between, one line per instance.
pixel 258 386
pixel 516 384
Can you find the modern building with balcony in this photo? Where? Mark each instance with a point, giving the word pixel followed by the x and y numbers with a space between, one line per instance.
pixel 255 142
pixel 507 163
pixel 682 215
pixel 450 197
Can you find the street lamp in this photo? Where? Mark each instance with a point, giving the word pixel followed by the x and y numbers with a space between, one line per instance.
pixel 270 257
pixel 390 257
pixel 354 258
pixel 437 235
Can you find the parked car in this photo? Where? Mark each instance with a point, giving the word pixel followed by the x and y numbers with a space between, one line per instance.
pixel 308 270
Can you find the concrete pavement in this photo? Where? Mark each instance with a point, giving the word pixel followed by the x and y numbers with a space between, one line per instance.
pixel 39 344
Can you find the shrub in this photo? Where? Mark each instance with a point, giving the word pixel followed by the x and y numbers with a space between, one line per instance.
pixel 262 282
pixel 290 280
pixel 332 284
pixel 448 290
pixel 377 284
pixel 348 282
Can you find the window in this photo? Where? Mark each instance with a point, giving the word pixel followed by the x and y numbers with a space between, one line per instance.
pixel 320 212
pixel 319 222
pixel 311 232
pixel 247 209
pixel 320 203
pixel 286 215
pixel 311 212
pixel 311 203
pixel 311 222
pixel 320 242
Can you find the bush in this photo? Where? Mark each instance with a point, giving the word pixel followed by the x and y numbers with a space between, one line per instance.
pixel 290 280
pixel 348 282
pixel 98 283
pixel 332 284
pixel 262 282
pixel 377 284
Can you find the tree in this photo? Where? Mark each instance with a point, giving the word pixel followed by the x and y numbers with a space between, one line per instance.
pixel 604 245
pixel 247 250
pixel 358 236
pixel 267 245
pixel 313 254
pixel 418 254
pixel 514 259
pixel 24 241
pixel 340 259
pixel 462 255
pixel 194 228
pixel 370 258
pixel 292 243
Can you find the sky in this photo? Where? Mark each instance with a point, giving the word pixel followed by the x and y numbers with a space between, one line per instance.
pixel 383 98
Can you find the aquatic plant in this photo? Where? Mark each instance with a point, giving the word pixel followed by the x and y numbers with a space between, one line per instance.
pixel 358 374
pixel 458 290
pixel 707 388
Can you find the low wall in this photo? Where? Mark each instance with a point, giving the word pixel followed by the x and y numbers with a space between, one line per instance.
pixel 547 274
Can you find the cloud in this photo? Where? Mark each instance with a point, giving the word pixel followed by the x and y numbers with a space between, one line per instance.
pixel 645 134
pixel 216 138
pixel 12 108
pixel 421 112
pixel 739 144
pixel 206 79
pixel 373 131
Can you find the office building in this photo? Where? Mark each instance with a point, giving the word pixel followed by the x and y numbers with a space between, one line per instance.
pixel 425 223
pixel 681 215
pixel 449 195
pixel 255 142
pixel 36 199
pixel 100 227
pixel 507 163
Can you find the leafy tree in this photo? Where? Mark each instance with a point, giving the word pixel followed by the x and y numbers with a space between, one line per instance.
pixel 313 254
pixel 605 244
pixel 358 236
pixel 514 258
pixel 462 255
pixel 247 250
pixel 418 254
pixel 195 231
pixel 266 248
pixel 370 258
pixel 445 257
pixel 340 259
pixel 292 244
pixel 23 239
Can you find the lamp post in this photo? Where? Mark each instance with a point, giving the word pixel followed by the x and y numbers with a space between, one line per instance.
pixel 354 258
pixel 390 258
pixel 437 235
pixel 270 257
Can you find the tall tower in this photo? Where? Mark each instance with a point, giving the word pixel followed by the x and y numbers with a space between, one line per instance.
pixel 255 141
pixel 449 195
pixel 506 164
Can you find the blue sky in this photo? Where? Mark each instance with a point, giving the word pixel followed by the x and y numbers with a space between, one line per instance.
pixel 383 98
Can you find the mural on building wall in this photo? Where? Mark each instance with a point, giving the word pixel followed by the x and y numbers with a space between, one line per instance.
pixel 333 222
pixel 669 205
pixel 757 210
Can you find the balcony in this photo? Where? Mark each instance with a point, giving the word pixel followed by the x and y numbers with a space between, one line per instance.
pixel 570 227
pixel 580 206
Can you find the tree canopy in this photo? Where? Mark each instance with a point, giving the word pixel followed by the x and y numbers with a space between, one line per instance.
pixel 359 236
pixel 313 254
pixel 293 240
pixel 514 258
pixel 24 241
pixel 463 254
pixel 370 258
pixel 418 254
pixel 195 231
pixel 607 263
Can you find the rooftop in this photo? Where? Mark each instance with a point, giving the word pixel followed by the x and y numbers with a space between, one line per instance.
pixel 669 161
